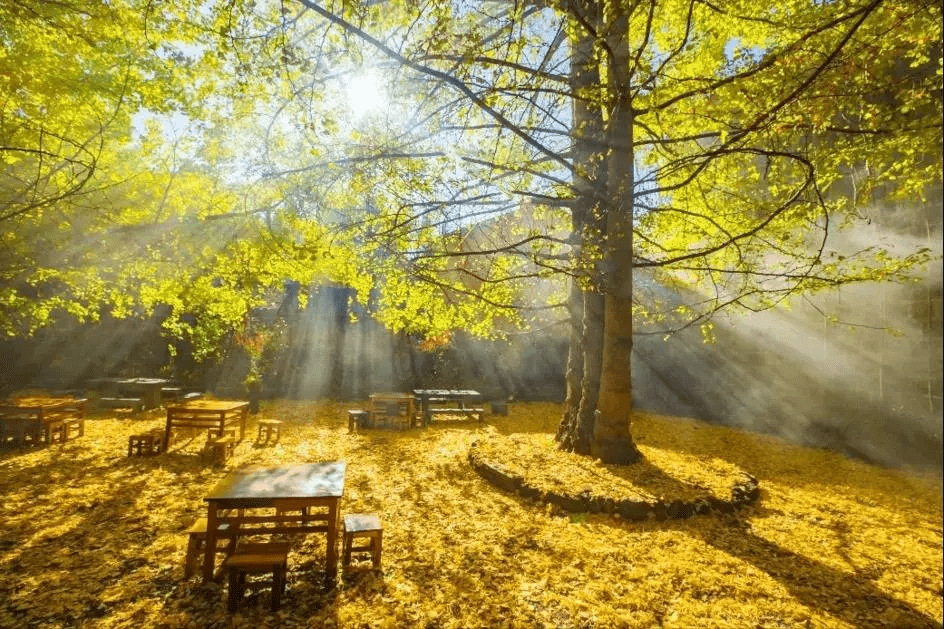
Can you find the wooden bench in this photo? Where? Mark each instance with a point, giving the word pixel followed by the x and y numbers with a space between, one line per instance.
pixel 171 393
pixel 19 431
pixel 195 544
pixel 469 412
pixel 258 558
pixel 361 526
pixel 56 431
pixel 134 403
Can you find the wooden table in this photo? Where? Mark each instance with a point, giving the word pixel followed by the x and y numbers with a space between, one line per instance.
pixel 148 389
pixel 41 416
pixel 210 415
pixel 257 500
pixel 380 404
pixel 444 401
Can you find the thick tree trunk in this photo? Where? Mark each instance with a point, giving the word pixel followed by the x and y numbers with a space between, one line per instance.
pixel 612 440
pixel 585 302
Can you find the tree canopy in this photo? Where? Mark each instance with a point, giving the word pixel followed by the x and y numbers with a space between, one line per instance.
pixel 716 149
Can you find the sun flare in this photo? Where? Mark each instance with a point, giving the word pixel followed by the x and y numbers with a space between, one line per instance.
pixel 365 94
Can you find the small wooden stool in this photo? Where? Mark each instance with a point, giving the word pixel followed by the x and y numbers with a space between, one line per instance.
pixel 195 545
pixel 257 559
pixel 74 423
pixel 357 419
pixel 56 431
pixel 144 444
pixel 220 448
pixel 269 427
pixel 361 525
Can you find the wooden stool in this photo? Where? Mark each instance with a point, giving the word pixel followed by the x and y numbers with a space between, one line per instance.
pixel 257 559
pixel 357 419
pixel 269 427
pixel 144 444
pixel 219 449
pixel 361 525
pixel 56 431
pixel 73 423
pixel 195 544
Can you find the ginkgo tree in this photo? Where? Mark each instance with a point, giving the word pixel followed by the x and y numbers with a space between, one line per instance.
pixel 704 144
pixel 699 147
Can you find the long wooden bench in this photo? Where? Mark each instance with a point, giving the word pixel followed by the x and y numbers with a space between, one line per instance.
pixel 470 412
pixel 134 403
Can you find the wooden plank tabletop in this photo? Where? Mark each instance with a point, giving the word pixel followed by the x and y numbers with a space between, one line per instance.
pixel 209 405
pixel 37 403
pixel 307 480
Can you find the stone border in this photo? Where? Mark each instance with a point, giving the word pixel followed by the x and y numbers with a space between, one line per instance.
pixel 744 491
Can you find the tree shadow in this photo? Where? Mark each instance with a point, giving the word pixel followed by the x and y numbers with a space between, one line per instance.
pixel 850 597
pixel 791 465
pixel 645 474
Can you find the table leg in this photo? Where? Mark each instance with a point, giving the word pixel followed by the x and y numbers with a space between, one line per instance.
pixel 331 556
pixel 209 552
pixel 166 443
pixel 152 396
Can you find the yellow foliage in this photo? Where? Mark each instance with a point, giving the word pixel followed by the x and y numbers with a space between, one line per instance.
pixel 94 539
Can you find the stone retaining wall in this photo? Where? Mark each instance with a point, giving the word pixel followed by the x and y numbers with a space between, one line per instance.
pixel 744 491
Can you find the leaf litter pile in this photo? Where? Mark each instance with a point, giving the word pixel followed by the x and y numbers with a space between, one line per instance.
pixel 94 538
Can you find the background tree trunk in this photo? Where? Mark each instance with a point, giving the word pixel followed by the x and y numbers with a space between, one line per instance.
pixel 574 368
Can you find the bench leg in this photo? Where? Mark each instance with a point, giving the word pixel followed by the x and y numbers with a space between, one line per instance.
pixel 235 590
pixel 278 586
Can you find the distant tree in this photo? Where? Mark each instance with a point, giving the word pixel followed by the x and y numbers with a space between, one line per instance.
pixel 73 75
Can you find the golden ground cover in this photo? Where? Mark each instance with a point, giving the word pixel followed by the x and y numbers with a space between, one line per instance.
pixel 92 538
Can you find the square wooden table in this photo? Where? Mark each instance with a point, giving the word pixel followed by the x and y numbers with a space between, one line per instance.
pixel 47 415
pixel 257 500
pixel 437 401
pixel 148 389
pixel 210 415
